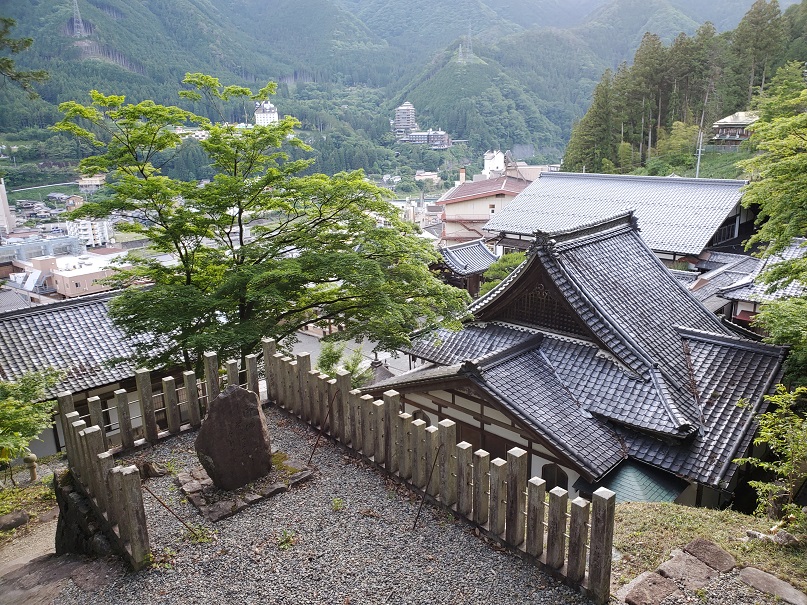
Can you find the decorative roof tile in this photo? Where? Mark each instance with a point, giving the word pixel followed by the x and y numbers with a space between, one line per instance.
pixel 675 214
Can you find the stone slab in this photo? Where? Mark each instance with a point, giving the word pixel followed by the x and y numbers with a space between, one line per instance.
pixel 298 478
pixel 191 487
pixel 770 584
pixel 710 553
pixel 220 510
pixel 652 589
pixel 270 490
pixel 691 571
pixel 13 519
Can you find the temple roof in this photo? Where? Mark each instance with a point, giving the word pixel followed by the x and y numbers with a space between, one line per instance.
pixel 468 258
pixel 75 336
pixel 601 351
pixel 678 215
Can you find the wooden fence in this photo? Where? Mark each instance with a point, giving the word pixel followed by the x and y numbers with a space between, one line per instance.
pixel 572 540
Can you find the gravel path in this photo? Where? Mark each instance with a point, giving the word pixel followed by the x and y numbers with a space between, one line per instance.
pixel 345 537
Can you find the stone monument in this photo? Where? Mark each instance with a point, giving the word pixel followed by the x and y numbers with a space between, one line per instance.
pixel 233 443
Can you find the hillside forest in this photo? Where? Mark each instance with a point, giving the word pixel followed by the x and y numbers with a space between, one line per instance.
pixel 519 75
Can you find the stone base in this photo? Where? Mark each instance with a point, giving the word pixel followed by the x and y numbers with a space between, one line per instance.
pixel 77 530
pixel 215 505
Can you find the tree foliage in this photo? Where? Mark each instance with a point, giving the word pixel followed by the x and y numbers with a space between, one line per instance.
pixel 23 414
pixel 8 70
pixel 332 358
pixel 261 250
pixel 784 432
pixel 500 270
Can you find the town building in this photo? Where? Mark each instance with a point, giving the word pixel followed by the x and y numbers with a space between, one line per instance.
pixel 91 184
pixel 91 233
pixel 680 217
pixel 265 114
pixel 462 265
pixel 404 121
pixel 469 205
pixel 435 139
pixel 732 130
pixel 65 276
pixel 596 361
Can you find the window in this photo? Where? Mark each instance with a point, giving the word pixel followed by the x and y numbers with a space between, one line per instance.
pixel 492 208
pixel 78 284
pixel 554 477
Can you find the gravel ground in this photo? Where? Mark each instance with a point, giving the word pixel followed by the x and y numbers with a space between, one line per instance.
pixel 344 537
pixel 725 589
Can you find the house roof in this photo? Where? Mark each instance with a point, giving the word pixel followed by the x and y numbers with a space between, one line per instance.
pixel 471 190
pixel 726 271
pixel 10 300
pixel 75 336
pixel 468 258
pixel 677 215
pixel 750 288
pixel 741 118
pixel 602 352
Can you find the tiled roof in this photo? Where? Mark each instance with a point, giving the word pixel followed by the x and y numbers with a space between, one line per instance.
pixel 10 300
pixel 675 214
pixel 685 277
pixel 477 340
pixel 75 336
pixel 728 270
pixel 654 365
pixel 740 118
pixel 632 482
pixel 468 258
pixel 752 289
pixel 471 190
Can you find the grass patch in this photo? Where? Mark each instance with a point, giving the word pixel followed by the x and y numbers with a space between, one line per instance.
pixel 645 533
pixel 35 499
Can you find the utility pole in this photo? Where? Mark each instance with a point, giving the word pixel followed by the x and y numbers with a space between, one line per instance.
pixel 700 131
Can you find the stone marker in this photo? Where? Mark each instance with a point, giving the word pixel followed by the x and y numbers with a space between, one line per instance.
pixel 233 443
pixel 650 590
pixel 770 584
pixel 711 554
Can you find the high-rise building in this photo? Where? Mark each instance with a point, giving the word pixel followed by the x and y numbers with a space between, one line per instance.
pixel 7 221
pixel 404 121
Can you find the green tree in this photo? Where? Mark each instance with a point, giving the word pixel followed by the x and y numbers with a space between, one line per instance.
pixel 23 414
pixel 23 79
pixel 261 250
pixel 758 39
pixel 332 358
pixel 784 432
pixel 500 270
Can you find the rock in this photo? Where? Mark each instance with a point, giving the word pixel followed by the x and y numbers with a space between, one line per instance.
pixel 651 590
pixel 233 443
pixel 220 510
pixel 756 535
pixel 770 584
pixel 151 469
pixel 711 554
pixel 270 490
pixel 297 478
pixel 100 545
pixel 191 487
pixel 250 498
pixel 13 519
pixel 784 538
pixel 691 571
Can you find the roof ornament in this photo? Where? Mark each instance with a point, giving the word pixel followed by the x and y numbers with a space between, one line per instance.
pixel 543 241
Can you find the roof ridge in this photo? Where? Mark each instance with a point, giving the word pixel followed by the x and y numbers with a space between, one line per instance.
pixel 638 177
pixel 60 304
pixel 730 339
pixel 485 362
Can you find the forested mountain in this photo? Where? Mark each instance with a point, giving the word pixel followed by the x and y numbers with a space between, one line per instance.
pixel 498 73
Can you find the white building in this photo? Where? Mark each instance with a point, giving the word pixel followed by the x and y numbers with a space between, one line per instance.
pixel 91 233
pixel 265 114
pixel 7 221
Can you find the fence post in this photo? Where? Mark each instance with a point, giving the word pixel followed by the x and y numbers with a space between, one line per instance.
pixel 498 492
pixel 106 461
pixel 419 472
pixel 448 461
pixel 171 405
pixel 232 373
pixel 68 419
pixel 367 429
pixel 432 446
pixel 278 373
pixel 269 347
pixel 143 381
pixel 481 486
pixel 536 488
pixel 303 374
pixel 578 533
pixel 292 385
pixel 392 403
pixel 192 396
pixel 124 419
pixel 603 505
pixel 211 376
pixel 252 374
pixel 516 495
pixel 65 405
pixel 80 463
pixel 323 402
pixel 95 446
pixel 379 434
pixel 352 418
pixel 464 478
pixel 133 517
pixel 312 393
pixel 97 417
pixel 343 388
pixel 556 527
pixel 404 432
